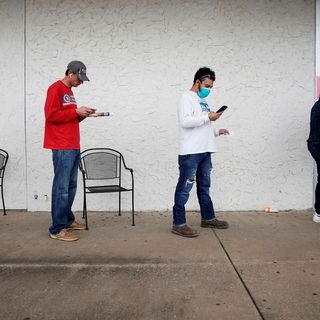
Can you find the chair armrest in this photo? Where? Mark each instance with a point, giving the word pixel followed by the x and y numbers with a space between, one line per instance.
pixel 81 169
pixel 127 168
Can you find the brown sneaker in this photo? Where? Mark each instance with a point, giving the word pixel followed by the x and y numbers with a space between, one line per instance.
pixel 77 226
pixel 184 231
pixel 217 224
pixel 64 235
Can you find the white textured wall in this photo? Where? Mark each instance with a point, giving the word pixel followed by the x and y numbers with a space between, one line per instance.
pixel 12 126
pixel 141 55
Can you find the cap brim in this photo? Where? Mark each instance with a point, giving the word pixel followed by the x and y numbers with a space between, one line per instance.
pixel 83 77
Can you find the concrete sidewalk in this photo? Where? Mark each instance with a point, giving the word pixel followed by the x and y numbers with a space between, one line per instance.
pixel 266 266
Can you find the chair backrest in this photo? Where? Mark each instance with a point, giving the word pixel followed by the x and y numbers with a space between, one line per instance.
pixel 100 164
pixel 3 161
pixel 4 156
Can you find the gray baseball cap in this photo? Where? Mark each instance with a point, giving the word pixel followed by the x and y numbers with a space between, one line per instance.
pixel 78 68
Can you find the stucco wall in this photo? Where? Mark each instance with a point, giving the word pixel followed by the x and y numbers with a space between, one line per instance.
pixel 12 119
pixel 140 56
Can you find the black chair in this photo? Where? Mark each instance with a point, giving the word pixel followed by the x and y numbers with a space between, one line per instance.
pixel 102 173
pixel 4 156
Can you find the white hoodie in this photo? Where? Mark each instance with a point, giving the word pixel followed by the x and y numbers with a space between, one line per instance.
pixel 196 130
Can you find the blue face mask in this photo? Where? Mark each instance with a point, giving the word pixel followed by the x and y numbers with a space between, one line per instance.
pixel 204 92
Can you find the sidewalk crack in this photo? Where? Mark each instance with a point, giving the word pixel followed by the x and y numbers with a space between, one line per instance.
pixel 239 276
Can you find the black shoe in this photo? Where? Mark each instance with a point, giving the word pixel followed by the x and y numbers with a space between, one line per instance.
pixel 217 224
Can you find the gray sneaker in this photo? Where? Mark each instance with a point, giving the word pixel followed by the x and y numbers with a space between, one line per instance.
pixel 185 231
pixel 217 224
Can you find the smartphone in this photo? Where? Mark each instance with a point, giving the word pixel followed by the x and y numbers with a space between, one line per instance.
pixel 222 109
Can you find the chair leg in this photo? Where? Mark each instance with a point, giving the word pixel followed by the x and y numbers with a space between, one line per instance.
pixel 4 208
pixel 119 203
pixel 132 208
pixel 84 205
pixel 85 213
pixel 86 217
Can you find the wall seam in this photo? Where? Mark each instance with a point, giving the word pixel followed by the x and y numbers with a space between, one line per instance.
pixel 25 97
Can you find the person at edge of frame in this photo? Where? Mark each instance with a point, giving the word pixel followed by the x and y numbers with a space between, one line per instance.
pixel 196 144
pixel 313 144
pixel 62 136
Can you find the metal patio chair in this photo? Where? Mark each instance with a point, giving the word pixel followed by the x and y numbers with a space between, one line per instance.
pixel 102 170
pixel 4 156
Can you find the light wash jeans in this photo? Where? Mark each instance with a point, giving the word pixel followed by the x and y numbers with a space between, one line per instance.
pixel 64 187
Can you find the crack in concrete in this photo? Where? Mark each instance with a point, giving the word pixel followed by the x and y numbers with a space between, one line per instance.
pixel 240 277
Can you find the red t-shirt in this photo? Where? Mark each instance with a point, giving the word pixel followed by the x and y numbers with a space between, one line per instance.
pixel 62 121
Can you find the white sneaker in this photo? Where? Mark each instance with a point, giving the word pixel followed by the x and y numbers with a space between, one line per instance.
pixel 316 217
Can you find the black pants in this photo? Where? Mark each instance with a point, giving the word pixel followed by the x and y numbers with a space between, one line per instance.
pixel 314 149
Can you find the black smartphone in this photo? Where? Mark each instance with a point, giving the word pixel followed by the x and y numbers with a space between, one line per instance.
pixel 222 109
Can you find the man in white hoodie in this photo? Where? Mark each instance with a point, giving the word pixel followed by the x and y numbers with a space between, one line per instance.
pixel 195 147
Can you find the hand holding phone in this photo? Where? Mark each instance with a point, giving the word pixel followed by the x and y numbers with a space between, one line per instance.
pixel 222 109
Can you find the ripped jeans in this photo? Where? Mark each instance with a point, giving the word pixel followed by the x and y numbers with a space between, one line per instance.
pixel 193 168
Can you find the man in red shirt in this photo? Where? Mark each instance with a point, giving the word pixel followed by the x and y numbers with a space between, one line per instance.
pixel 62 136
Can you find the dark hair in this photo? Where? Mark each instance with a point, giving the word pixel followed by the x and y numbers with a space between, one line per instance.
pixel 203 73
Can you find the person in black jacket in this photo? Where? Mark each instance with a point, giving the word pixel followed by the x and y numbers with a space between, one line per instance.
pixel 314 148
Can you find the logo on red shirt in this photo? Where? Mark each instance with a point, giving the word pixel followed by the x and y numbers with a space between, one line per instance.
pixel 68 99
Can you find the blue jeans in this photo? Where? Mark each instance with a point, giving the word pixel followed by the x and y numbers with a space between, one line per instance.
pixel 193 168
pixel 64 187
